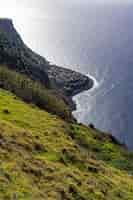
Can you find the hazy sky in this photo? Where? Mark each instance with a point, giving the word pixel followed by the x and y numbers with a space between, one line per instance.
pixel 30 8
pixel 25 14
pixel 24 8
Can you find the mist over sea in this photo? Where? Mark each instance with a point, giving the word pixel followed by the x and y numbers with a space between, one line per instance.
pixel 96 40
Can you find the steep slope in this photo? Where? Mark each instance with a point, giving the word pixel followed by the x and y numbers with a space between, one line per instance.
pixel 16 55
pixel 43 157
pixel 34 92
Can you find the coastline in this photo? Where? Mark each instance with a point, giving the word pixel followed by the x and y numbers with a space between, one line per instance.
pixel 75 100
pixel 89 85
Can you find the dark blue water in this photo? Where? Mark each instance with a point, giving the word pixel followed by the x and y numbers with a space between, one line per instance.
pixel 98 40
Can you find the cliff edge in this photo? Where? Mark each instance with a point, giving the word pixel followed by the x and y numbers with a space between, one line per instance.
pixel 16 55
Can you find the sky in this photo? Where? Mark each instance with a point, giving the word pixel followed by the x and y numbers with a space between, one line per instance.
pixel 21 9
pixel 24 8
pixel 25 13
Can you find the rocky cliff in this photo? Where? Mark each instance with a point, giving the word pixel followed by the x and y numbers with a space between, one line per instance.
pixel 16 55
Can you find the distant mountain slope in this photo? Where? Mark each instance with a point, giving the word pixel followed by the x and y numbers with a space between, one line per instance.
pixel 15 54
pixel 45 158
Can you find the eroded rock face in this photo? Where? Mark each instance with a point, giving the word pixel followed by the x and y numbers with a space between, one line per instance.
pixel 16 55
pixel 69 81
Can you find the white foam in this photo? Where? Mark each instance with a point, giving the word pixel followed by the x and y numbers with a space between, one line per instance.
pixel 79 112
pixel 96 84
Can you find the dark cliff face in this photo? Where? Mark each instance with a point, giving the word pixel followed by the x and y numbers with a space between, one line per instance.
pixel 69 81
pixel 16 55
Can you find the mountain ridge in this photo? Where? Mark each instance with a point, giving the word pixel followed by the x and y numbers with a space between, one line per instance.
pixel 23 59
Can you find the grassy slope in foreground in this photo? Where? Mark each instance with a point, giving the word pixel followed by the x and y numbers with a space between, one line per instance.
pixel 45 158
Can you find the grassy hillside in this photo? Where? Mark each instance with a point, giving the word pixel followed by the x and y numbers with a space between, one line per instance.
pixel 34 92
pixel 45 158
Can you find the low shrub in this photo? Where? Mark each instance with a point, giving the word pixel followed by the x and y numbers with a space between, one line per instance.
pixel 34 92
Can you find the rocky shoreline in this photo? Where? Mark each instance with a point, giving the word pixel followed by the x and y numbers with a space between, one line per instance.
pixel 16 55
pixel 69 82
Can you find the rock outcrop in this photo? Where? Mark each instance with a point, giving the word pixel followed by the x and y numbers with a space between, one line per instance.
pixel 16 55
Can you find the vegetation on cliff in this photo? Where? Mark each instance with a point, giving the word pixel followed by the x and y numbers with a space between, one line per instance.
pixel 34 92
pixel 45 157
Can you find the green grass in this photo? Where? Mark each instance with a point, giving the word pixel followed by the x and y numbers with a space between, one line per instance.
pixel 34 92
pixel 44 157
pixel 103 147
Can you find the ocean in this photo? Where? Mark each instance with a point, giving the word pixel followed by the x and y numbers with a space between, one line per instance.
pixel 96 40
